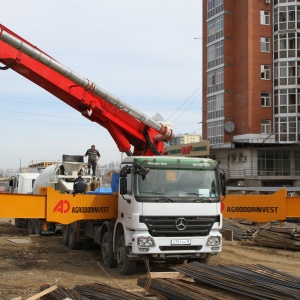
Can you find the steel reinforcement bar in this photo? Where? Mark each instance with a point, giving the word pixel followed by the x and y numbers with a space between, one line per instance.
pixel 255 281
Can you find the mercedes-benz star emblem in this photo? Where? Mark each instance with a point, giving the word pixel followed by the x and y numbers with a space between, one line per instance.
pixel 180 224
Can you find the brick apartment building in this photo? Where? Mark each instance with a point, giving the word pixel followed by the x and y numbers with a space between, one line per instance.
pixel 251 90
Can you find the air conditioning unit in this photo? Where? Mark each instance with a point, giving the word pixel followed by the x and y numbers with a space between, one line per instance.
pixel 267 1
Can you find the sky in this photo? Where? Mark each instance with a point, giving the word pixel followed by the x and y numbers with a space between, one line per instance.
pixel 148 53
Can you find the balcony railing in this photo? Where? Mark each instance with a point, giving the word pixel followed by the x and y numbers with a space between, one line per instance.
pixel 248 173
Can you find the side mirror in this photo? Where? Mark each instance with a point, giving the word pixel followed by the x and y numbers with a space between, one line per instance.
pixel 223 183
pixel 223 190
pixel 123 185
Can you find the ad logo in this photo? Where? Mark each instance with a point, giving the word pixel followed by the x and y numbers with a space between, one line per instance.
pixel 63 206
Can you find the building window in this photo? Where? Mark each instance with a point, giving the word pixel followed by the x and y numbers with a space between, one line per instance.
pixel 297 162
pixel 214 7
pixel 285 17
pixel 265 71
pixel 286 129
pixel 273 162
pixel 215 132
pixel 285 45
pixel 215 106
pixel 265 126
pixel 215 29
pixel 286 101
pixel 215 55
pixel 265 44
pixel 285 73
pixel 264 17
pixel 215 80
pixel 265 99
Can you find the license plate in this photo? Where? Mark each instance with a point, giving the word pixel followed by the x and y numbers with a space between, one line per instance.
pixel 180 242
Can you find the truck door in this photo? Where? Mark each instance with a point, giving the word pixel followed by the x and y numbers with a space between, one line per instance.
pixel 129 209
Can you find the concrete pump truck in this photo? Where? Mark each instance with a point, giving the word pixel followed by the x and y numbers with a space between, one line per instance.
pixel 166 207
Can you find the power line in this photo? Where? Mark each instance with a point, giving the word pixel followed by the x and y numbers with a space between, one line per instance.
pixel 184 102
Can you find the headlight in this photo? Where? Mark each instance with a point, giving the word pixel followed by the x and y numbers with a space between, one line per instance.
pixel 213 241
pixel 145 241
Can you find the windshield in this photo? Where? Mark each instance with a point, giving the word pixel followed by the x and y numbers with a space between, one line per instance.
pixel 178 183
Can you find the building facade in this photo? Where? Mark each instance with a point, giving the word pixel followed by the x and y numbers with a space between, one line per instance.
pixel 251 89
pixel 185 139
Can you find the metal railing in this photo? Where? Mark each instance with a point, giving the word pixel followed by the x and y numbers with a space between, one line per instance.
pixel 248 173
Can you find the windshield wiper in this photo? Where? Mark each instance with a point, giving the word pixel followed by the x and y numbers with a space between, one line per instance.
pixel 201 199
pixel 165 199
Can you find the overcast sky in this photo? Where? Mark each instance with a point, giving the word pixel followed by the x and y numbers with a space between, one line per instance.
pixel 141 51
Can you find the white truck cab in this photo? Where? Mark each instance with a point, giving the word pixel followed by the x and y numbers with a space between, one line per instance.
pixel 168 208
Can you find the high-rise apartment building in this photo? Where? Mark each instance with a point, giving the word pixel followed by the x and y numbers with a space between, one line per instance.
pixel 251 88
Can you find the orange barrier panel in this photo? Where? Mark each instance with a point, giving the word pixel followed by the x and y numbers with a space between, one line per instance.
pixel 60 208
pixel 261 208
pixel 22 206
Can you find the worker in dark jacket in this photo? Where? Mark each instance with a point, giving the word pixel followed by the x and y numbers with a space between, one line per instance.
pixel 93 157
pixel 79 186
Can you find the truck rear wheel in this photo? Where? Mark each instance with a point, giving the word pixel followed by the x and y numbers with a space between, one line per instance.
pixel 107 252
pixel 72 237
pixel 65 231
pixel 37 226
pixel 31 226
pixel 125 266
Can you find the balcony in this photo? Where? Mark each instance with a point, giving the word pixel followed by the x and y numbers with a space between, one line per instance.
pixel 263 174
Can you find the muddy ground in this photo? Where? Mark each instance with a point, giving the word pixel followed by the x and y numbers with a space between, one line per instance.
pixel 30 262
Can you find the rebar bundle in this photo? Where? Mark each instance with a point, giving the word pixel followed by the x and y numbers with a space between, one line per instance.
pixel 103 291
pixel 172 289
pixel 255 281
pixel 95 291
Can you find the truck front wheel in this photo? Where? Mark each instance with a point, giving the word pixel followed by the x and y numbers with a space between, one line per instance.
pixel 125 266
pixel 107 252
pixel 202 260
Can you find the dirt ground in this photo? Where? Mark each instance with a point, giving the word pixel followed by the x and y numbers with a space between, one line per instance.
pixel 30 262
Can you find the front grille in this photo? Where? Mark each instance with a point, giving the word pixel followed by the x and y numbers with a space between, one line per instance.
pixel 165 226
pixel 180 248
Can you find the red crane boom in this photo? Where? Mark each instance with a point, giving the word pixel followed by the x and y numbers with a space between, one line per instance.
pixel 127 126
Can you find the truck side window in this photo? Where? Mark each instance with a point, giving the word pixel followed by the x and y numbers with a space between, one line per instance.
pixel 129 185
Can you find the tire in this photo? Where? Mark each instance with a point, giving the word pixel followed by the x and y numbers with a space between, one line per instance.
pixel 72 237
pixel 86 245
pixel 202 260
pixel 125 266
pixel 31 226
pixel 65 231
pixel 18 223
pixel 107 252
pixel 37 226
